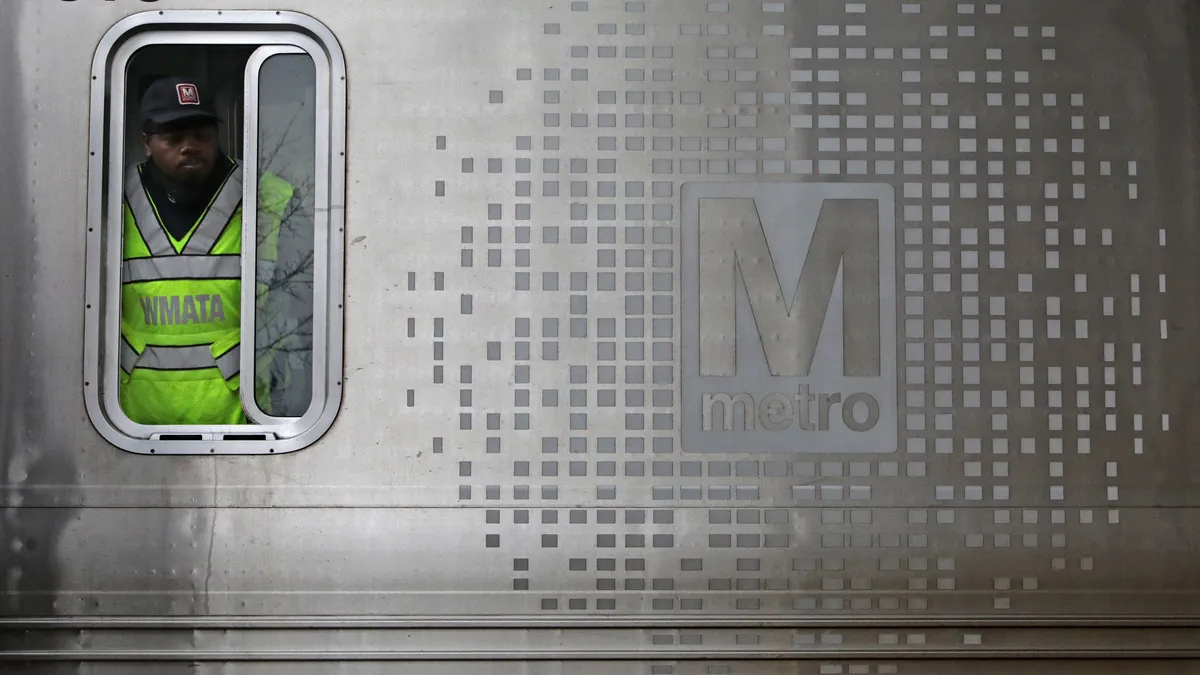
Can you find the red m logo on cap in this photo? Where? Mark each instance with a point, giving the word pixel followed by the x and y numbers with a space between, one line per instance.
pixel 188 94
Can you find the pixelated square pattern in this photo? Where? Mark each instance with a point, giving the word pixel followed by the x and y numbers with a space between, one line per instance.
pixel 1024 339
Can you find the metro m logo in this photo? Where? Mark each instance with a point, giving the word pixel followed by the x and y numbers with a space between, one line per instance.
pixel 789 317
pixel 733 249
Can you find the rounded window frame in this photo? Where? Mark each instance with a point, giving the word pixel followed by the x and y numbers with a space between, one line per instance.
pixel 105 174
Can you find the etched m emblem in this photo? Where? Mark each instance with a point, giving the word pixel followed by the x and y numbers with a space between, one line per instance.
pixel 789 317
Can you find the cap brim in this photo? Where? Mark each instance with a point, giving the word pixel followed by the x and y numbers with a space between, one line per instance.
pixel 182 116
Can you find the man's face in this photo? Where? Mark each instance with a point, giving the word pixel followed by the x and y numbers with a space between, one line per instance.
pixel 184 155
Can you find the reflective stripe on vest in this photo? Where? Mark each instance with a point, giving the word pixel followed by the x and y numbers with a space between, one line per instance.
pixel 168 267
pixel 143 215
pixel 196 357
pixel 220 210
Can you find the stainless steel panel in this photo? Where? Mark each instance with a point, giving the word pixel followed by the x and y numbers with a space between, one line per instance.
pixel 409 561
pixel 28 456
pixel 1109 667
pixel 331 640
pixel 510 443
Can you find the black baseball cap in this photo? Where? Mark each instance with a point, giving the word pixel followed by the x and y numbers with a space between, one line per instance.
pixel 176 103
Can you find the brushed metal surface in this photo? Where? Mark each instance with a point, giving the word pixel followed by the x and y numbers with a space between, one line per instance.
pixel 509 441
pixel 350 643
pixel 856 667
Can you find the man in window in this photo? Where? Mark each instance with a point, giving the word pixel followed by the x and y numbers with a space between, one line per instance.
pixel 181 267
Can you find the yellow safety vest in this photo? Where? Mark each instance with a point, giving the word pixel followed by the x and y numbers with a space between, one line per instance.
pixel 181 303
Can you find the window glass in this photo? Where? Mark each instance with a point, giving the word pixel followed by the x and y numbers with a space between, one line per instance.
pixel 286 150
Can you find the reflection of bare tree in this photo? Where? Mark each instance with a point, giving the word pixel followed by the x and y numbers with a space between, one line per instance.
pixel 284 337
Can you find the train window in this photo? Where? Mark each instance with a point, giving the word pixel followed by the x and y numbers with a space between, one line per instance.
pixel 215 233
pixel 281 134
